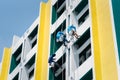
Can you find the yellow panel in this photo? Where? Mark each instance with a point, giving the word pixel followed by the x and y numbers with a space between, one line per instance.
pixel 41 68
pixel 5 64
pixel 103 42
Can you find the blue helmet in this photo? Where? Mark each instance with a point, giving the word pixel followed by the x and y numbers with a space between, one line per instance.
pixel 59 34
pixel 71 28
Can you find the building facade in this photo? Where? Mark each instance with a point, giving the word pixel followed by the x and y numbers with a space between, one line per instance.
pixel 95 55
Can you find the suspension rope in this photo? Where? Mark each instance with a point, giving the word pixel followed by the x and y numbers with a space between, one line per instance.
pixel 55 31
pixel 62 26
pixel 62 52
pixel 54 43
pixel 62 64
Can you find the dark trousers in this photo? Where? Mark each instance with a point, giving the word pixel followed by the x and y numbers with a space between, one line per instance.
pixel 54 68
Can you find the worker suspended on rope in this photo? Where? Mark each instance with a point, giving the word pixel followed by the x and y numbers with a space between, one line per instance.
pixel 52 62
pixel 61 37
pixel 72 31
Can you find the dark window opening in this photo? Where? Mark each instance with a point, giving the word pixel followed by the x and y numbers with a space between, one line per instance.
pixel 34 33
pixel 81 6
pixel 16 77
pixel 31 73
pixel 83 18
pixel 30 66
pixel 33 37
pixel 88 75
pixel 34 43
pixel 82 39
pixel 61 76
pixel 85 54
pixel 16 58
pixel 58 9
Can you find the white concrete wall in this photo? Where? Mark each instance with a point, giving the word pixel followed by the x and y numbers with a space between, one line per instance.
pixel 27 52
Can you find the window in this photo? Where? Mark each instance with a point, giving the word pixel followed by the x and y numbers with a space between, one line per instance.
pixel 86 53
pixel 82 39
pixel 33 37
pixel 31 74
pixel 30 67
pixel 16 58
pixel 58 9
pixel 83 17
pixel 88 75
pixel 16 77
pixel 54 46
pixel 81 11
pixel 83 47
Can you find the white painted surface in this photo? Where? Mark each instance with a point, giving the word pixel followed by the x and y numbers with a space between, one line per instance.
pixel 26 54
pixel 15 40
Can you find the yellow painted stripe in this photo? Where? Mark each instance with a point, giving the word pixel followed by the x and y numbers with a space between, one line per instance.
pixel 5 64
pixel 103 43
pixel 41 69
